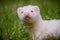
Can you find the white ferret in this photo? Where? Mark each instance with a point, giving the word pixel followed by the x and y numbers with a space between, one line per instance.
pixel 32 20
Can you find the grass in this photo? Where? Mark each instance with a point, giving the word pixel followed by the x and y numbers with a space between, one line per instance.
pixel 10 25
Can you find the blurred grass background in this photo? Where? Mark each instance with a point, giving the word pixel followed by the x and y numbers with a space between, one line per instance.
pixel 10 25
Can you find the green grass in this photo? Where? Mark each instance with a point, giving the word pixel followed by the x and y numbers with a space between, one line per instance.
pixel 10 25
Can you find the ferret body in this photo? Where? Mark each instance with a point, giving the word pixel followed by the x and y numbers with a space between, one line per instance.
pixel 39 28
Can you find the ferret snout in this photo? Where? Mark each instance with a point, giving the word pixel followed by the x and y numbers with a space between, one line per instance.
pixel 26 16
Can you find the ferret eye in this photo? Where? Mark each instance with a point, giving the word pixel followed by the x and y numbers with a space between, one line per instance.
pixel 21 12
pixel 32 11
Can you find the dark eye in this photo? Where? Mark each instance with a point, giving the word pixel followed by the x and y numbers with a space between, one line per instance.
pixel 32 11
pixel 21 12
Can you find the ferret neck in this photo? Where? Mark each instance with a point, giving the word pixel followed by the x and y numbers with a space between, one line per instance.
pixel 36 27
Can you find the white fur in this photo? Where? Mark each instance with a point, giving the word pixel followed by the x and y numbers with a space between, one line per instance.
pixel 40 28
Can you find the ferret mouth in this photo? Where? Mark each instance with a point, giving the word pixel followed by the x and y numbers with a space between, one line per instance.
pixel 27 18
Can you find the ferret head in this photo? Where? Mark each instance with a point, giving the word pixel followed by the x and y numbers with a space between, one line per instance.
pixel 29 12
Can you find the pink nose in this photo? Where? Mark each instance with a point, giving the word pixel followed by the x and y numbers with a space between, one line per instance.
pixel 26 14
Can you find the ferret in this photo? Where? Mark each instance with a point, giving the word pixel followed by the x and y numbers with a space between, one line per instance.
pixel 38 28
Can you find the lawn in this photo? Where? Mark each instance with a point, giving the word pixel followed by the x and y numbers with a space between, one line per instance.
pixel 10 25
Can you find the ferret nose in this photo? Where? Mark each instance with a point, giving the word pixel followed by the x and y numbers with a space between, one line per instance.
pixel 26 14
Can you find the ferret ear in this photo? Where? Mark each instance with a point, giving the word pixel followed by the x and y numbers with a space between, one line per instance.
pixel 36 8
pixel 19 9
